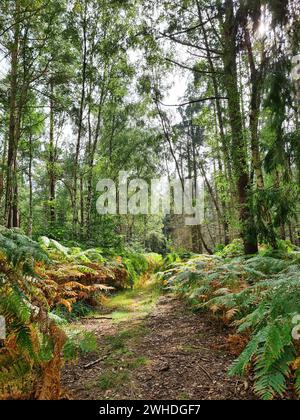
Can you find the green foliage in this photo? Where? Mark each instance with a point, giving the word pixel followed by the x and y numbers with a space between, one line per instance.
pixel 79 309
pixel 79 342
pixel 33 334
pixel 154 261
pixel 171 258
pixel 21 251
pixel 219 248
pixel 135 264
pixel 268 265
pixel 61 253
pixel 297 382
pixel 107 82
pixel 234 249
pixel 112 379
pixel 156 242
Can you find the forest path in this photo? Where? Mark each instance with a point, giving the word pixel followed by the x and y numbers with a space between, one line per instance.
pixel 153 347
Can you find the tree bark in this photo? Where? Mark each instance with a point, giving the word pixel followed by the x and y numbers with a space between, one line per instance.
pixel 11 199
pixel 51 163
pixel 30 216
pixel 80 121
pixel 239 146
pixel 220 123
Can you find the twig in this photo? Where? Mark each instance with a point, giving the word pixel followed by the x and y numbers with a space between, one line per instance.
pixel 89 365
pixel 205 371
pixel 98 317
pixel 194 101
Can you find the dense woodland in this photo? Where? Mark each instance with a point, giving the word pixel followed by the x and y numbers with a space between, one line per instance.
pixel 186 89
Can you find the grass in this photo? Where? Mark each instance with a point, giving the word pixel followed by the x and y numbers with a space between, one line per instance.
pixel 184 396
pixel 119 367
pixel 120 340
pixel 130 305
pixel 189 349
pixel 121 361
pixel 111 379
pixel 121 315
pixel 136 303
pixel 137 362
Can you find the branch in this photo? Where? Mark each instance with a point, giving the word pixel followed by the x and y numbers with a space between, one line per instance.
pixel 188 44
pixel 192 28
pixel 31 14
pixel 184 31
pixel 194 101
pixel 168 138
pixel 204 57
pixel 191 68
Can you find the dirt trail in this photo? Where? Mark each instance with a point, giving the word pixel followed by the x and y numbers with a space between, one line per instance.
pixel 154 347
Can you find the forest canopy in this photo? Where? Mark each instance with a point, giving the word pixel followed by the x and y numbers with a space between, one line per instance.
pixel 85 95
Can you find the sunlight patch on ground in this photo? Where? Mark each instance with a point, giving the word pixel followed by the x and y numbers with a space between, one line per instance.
pixel 136 303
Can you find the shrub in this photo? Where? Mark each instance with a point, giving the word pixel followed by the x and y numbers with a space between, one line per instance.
pixel 171 258
pixel 34 341
pixel 135 264
pixel 156 242
pixel 234 249
pixel 154 261
pixel 31 355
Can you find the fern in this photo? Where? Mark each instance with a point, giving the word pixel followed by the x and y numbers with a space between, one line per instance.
pixel 30 286
pixel 253 319
pixel 241 364
pixel 12 305
pixel 278 338
pixel 79 342
pixel 267 265
pixel 261 295
pixel 21 251
pixel 271 380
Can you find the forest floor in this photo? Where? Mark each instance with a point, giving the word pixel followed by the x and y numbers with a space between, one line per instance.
pixel 152 346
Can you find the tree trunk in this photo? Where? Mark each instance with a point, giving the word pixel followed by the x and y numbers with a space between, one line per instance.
pixel 91 158
pixel 81 207
pixel 220 123
pixel 51 172
pixel 239 146
pixel 80 121
pixel 2 173
pixel 11 199
pixel 256 78
pixel 30 216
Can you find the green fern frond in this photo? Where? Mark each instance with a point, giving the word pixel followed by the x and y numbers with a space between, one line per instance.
pixel 279 336
pixel 18 369
pixel 23 340
pixel 241 364
pixel 271 380
pixel 21 250
pixel 12 305
pixel 79 342
pixel 254 318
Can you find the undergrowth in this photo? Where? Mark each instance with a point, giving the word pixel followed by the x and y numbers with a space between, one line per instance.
pixel 43 286
pixel 31 353
pixel 260 297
